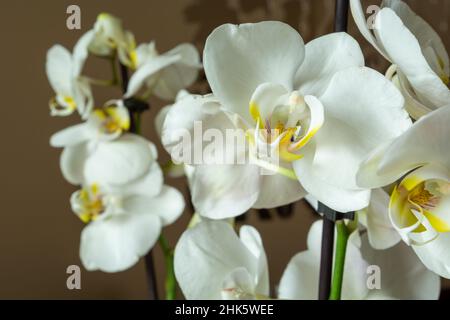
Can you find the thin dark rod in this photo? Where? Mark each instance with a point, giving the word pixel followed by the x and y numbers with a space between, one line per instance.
pixel 326 258
pixel 341 16
pixel 124 77
pixel 149 263
pixel 326 255
pixel 151 276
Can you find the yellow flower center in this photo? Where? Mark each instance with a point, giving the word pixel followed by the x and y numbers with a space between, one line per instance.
pixel 113 120
pixel 70 102
pixel 64 104
pixel 420 196
pixel 423 198
pixel 91 203
pixel 291 132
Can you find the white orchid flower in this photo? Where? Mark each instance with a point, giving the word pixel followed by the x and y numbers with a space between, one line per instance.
pixel 110 38
pixel 100 149
pixel 164 74
pixel 315 107
pixel 416 51
pixel 73 92
pixel 419 206
pixel 402 275
pixel 124 222
pixel 213 262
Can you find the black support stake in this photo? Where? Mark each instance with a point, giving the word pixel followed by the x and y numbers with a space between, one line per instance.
pixel 329 215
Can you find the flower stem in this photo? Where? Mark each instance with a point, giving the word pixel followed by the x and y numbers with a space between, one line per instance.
pixel 137 122
pixel 170 284
pixel 115 76
pixel 149 263
pixel 101 82
pixel 339 260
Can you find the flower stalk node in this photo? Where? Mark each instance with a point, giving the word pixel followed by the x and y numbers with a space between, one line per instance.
pixel 136 105
pixel 333 215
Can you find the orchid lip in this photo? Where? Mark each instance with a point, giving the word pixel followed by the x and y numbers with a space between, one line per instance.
pixel 88 203
pixel 414 208
pixel 112 120
pixel 289 125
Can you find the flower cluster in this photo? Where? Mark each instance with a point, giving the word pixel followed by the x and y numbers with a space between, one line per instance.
pixel 310 121
pixel 343 133
pixel 123 199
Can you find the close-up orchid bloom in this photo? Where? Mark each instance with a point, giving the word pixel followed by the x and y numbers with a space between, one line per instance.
pixel 164 74
pixel 418 56
pixel 110 38
pixel 161 74
pixel 64 68
pixel 124 222
pixel 102 149
pixel 419 204
pixel 213 262
pixel 298 100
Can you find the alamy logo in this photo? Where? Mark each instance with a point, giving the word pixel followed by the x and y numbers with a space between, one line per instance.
pixel 374 277
pixel 73 21
pixel 74 280
pixel 373 11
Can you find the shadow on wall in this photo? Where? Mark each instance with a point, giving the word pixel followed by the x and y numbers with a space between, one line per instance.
pixel 299 14
pixel 312 18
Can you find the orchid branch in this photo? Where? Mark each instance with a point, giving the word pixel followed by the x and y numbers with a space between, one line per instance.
pixel 170 284
pixel 107 83
pixel 101 82
pixel 135 128
pixel 339 260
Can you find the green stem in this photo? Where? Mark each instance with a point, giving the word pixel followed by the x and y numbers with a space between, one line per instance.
pixel 137 122
pixel 171 284
pixel 107 83
pixel 101 82
pixel 115 75
pixel 339 260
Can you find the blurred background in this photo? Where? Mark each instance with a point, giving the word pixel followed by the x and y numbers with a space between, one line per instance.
pixel 39 235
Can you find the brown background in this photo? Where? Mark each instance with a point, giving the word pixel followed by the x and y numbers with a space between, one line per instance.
pixel 39 236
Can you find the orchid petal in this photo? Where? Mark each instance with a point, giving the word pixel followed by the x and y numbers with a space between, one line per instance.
pixel 239 58
pixel 224 191
pixel 425 142
pixel 405 51
pixel 120 161
pixel 116 243
pixel 324 56
pixel 72 163
pixel 206 255
pixel 147 70
pixel 179 75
